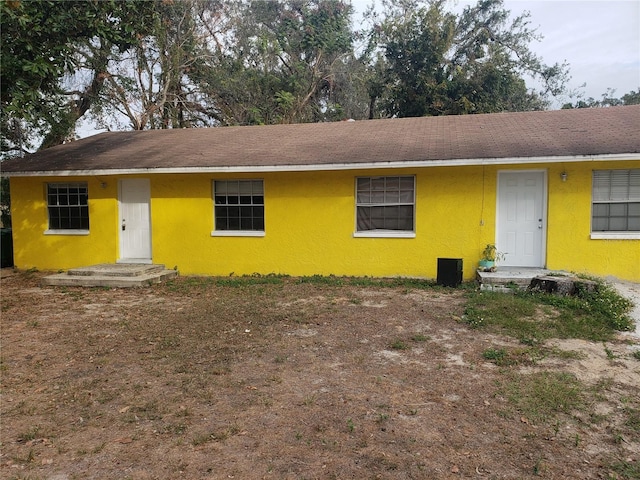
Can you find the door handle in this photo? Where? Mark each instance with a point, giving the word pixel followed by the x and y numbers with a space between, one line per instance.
pixel 124 226
pixel 540 223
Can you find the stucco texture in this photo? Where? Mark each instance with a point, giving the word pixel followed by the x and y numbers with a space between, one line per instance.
pixel 310 224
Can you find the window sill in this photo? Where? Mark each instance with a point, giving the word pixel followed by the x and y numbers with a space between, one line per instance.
pixel 237 233
pixel 66 232
pixel 615 236
pixel 384 234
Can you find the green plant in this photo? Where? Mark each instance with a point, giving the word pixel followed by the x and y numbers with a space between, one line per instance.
pixel 495 355
pixel 350 425
pixel 534 317
pixel 398 345
pixel 418 337
pixel 626 470
pixel 609 352
pixel 491 253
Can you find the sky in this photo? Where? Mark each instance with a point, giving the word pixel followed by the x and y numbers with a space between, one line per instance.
pixel 600 39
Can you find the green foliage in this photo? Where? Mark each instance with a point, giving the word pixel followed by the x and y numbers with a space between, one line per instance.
pixel 398 345
pixel 437 63
pixel 5 203
pixel 192 63
pixel 45 40
pixel 496 355
pixel 627 470
pixel 527 316
pixel 285 64
pixel 608 100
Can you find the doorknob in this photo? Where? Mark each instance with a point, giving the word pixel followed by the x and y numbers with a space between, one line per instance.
pixel 124 226
pixel 540 223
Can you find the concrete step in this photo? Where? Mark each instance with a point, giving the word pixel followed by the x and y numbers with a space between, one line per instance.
pixel 508 278
pixel 134 276
pixel 116 270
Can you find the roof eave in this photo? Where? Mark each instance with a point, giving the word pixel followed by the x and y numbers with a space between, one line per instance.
pixel 330 166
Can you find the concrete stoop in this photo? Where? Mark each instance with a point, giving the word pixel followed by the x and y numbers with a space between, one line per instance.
pixel 506 279
pixel 119 275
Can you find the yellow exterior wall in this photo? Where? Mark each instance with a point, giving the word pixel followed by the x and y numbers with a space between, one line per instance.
pixel 29 218
pixel 310 221
pixel 569 246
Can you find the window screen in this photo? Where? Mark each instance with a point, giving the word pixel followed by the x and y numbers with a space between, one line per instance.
pixel 67 204
pixel 239 205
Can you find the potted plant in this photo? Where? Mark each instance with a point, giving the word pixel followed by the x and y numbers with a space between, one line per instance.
pixel 490 255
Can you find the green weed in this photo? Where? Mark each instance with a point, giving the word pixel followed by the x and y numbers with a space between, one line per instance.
pixel 399 345
pixel 626 470
pixel 540 397
pixel 350 425
pixel 594 316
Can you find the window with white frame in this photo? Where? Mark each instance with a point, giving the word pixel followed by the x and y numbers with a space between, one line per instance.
pixel 385 204
pixel 616 201
pixel 68 206
pixel 239 205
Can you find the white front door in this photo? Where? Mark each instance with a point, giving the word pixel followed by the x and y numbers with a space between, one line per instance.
pixel 521 218
pixel 135 221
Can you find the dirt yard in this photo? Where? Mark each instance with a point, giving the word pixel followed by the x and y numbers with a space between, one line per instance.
pixel 195 380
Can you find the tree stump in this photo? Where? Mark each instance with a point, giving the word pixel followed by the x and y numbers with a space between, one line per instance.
pixel 568 286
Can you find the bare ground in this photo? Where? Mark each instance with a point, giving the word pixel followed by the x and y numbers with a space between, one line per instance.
pixel 291 381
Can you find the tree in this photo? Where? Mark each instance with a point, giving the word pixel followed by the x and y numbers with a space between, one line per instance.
pixel 45 44
pixel 150 84
pixel 282 63
pixel 608 100
pixel 436 63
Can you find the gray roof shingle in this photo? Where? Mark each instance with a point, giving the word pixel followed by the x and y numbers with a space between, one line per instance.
pixel 448 140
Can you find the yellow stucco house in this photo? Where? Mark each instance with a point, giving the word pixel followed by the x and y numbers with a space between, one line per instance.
pixel 555 189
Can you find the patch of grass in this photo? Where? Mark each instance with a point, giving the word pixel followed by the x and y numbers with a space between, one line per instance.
pixel 418 337
pixel 398 345
pixel 494 355
pixel 636 354
pixel 633 418
pixel 516 356
pixel 626 470
pixel 30 434
pixel 335 281
pixel 246 280
pixel 540 397
pixel 217 436
pixel 350 425
pixel 609 352
pixel 535 317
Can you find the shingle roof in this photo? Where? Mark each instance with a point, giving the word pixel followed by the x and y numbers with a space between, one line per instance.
pixel 466 139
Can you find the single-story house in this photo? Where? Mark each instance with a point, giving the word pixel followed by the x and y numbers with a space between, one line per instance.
pixel 555 189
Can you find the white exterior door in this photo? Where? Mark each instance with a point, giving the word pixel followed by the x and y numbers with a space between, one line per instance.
pixel 135 221
pixel 521 218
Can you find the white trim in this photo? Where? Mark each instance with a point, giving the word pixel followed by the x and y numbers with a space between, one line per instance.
pixel 237 233
pixel 384 234
pixel 333 166
pixel 66 232
pixel 615 236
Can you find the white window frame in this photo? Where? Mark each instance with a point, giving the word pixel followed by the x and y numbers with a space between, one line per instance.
pixel 66 231
pixel 384 233
pixel 237 233
pixel 601 193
